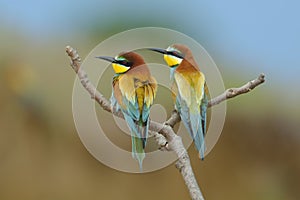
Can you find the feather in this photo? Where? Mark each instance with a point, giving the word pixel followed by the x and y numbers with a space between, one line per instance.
pixel 203 108
pixel 137 151
pixel 136 110
pixel 183 86
pixel 191 104
pixel 114 103
pixel 127 87
pixel 138 143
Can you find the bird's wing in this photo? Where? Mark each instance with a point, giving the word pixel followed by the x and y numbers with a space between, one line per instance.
pixel 203 107
pixel 190 86
pixel 127 98
pixel 150 93
pixel 183 87
pixel 189 100
pixel 199 81
pixel 137 97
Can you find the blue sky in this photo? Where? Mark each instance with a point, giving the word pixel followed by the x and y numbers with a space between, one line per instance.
pixel 263 35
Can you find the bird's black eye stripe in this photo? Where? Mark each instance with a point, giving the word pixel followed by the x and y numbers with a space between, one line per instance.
pixel 175 53
pixel 124 62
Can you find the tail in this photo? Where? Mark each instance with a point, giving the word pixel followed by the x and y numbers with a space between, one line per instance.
pixel 193 122
pixel 139 133
pixel 198 133
pixel 138 152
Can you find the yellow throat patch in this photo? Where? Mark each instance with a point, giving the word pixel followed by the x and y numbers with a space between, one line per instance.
pixel 172 60
pixel 119 69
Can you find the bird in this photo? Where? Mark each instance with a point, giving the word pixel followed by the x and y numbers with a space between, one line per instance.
pixel 189 91
pixel 134 90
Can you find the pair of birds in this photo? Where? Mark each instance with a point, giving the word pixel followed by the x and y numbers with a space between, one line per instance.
pixel 134 90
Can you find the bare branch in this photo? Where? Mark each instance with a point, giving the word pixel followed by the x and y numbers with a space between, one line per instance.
pixel 174 119
pixel 160 140
pixel 233 92
pixel 83 77
pixel 163 133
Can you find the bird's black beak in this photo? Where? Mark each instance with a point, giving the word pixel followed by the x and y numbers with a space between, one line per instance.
pixel 107 58
pixel 163 51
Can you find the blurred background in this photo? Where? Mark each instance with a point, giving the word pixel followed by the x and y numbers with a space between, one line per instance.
pixel 41 155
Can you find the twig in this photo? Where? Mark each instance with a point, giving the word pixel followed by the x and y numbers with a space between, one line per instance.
pixel 167 139
pixel 233 92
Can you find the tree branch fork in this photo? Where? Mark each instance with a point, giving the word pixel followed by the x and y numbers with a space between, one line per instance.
pixel 164 134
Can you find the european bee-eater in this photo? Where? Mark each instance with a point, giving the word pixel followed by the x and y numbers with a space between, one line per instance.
pixel 134 90
pixel 189 90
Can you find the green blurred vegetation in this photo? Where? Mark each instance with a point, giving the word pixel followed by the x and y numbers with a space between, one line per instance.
pixel 41 156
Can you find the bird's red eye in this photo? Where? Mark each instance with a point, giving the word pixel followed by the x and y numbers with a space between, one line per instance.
pixel 177 54
pixel 125 63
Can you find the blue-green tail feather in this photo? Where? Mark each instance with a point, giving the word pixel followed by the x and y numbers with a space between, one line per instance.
pixel 198 132
pixel 139 133
pixel 195 122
